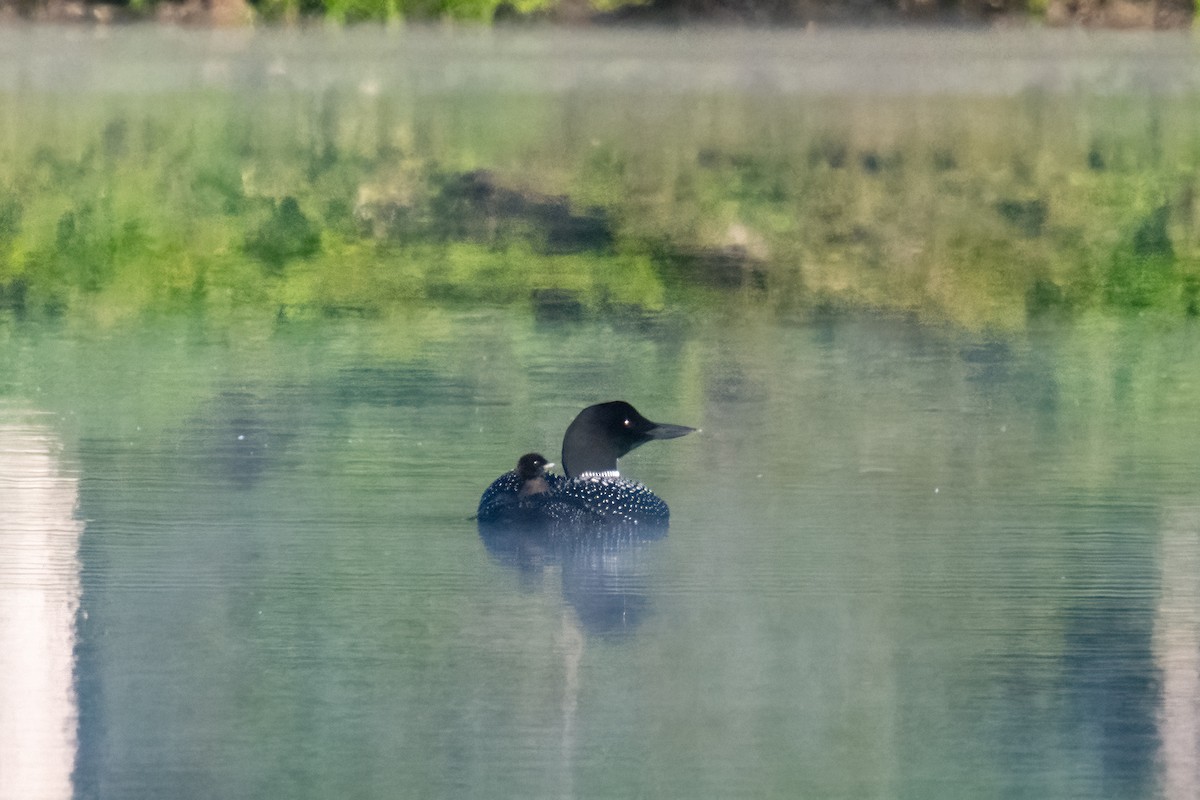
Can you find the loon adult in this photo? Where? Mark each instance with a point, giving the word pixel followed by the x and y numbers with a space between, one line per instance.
pixel 593 491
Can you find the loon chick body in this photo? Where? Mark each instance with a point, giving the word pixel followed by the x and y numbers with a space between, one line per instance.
pixel 517 496
pixel 593 491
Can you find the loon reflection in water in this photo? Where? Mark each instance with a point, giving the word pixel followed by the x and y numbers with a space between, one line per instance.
pixel 592 491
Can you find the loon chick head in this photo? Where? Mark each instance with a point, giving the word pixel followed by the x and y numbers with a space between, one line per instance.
pixel 603 433
pixel 531 469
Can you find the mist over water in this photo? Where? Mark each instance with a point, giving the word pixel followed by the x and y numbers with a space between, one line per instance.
pixel 369 59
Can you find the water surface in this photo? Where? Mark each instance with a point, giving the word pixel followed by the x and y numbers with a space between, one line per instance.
pixel 902 561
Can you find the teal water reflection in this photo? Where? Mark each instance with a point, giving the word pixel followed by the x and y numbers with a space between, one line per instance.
pixel 903 561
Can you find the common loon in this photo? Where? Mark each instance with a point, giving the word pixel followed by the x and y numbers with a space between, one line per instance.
pixel 593 491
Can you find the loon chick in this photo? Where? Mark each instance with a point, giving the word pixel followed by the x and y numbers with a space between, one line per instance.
pixel 517 495
pixel 594 489
pixel 531 468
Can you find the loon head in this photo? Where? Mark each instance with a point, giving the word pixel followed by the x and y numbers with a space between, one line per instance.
pixel 531 469
pixel 532 465
pixel 603 433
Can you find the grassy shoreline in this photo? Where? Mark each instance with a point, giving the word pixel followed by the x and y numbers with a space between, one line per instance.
pixel 1112 14
pixel 979 211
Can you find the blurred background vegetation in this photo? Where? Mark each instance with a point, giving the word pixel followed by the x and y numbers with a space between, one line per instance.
pixel 982 211
pixel 1100 13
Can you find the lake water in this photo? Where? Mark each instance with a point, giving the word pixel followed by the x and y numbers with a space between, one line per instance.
pixel 903 562
pixel 906 559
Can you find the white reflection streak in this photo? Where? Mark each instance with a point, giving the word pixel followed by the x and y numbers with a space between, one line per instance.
pixel 39 596
pixel 572 651
pixel 1177 653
